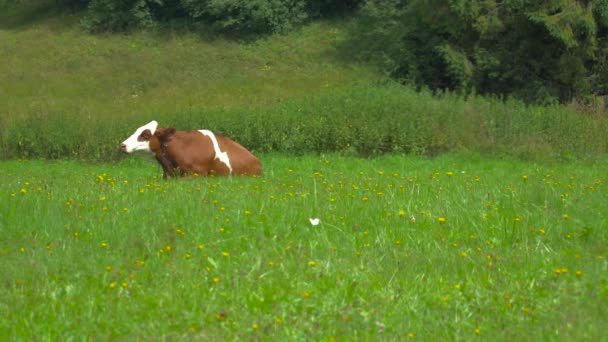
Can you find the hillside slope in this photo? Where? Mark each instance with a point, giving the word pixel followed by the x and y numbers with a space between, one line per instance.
pixel 51 65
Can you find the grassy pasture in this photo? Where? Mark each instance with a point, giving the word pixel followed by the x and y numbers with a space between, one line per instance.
pixel 407 248
pixel 450 248
pixel 51 67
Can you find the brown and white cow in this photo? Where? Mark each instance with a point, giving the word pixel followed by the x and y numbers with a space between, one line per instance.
pixel 199 152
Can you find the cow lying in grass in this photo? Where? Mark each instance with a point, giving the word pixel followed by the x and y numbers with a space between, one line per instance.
pixel 199 152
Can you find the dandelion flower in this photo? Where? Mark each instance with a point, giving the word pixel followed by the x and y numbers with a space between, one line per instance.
pixel 441 220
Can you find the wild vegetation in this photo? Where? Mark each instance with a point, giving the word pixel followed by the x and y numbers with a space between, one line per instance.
pixel 471 215
pixel 538 51
pixel 359 120
pixel 406 248
pixel 66 93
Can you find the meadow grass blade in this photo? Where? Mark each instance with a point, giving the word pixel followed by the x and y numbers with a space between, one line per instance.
pixel 113 251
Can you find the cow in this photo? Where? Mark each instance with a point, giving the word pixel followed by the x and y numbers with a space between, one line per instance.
pixel 197 152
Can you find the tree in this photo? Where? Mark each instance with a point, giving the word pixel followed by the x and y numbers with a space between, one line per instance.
pixel 540 51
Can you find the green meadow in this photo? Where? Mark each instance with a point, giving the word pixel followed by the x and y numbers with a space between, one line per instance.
pixel 451 248
pixel 440 217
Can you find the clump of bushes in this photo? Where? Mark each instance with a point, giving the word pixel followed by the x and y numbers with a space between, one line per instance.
pixel 238 17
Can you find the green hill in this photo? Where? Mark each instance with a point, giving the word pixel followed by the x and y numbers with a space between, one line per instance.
pixel 65 93
pixel 53 65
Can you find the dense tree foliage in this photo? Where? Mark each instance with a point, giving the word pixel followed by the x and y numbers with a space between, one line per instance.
pixel 243 17
pixel 537 50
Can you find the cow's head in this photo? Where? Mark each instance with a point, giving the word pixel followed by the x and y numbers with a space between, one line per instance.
pixel 140 140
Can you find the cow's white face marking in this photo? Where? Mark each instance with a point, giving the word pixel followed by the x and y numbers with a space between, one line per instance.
pixel 221 156
pixel 133 143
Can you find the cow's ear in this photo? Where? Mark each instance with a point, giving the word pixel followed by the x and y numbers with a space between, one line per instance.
pixel 165 134
pixel 146 134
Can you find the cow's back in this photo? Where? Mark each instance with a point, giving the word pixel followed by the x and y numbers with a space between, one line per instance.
pixel 242 161
pixel 205 152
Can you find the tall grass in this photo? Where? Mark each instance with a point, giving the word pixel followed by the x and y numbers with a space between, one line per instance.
pixel 450 248
pixel 363 119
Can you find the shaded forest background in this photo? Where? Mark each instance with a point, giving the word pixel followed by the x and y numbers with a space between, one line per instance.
pixel 538 51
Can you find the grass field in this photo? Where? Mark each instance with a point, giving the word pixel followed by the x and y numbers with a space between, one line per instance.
pixel 451 248
pixel 51 66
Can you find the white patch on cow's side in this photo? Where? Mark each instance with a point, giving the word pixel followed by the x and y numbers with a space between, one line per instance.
pixel 221 156
pixel 132 144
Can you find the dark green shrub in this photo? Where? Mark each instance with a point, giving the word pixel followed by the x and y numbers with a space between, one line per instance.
pixel 119 15
pixel 242 18
pixel 248 17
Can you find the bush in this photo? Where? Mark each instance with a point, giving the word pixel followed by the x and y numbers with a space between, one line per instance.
pixel 119 15
pixel 238 17
pixel 247 17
